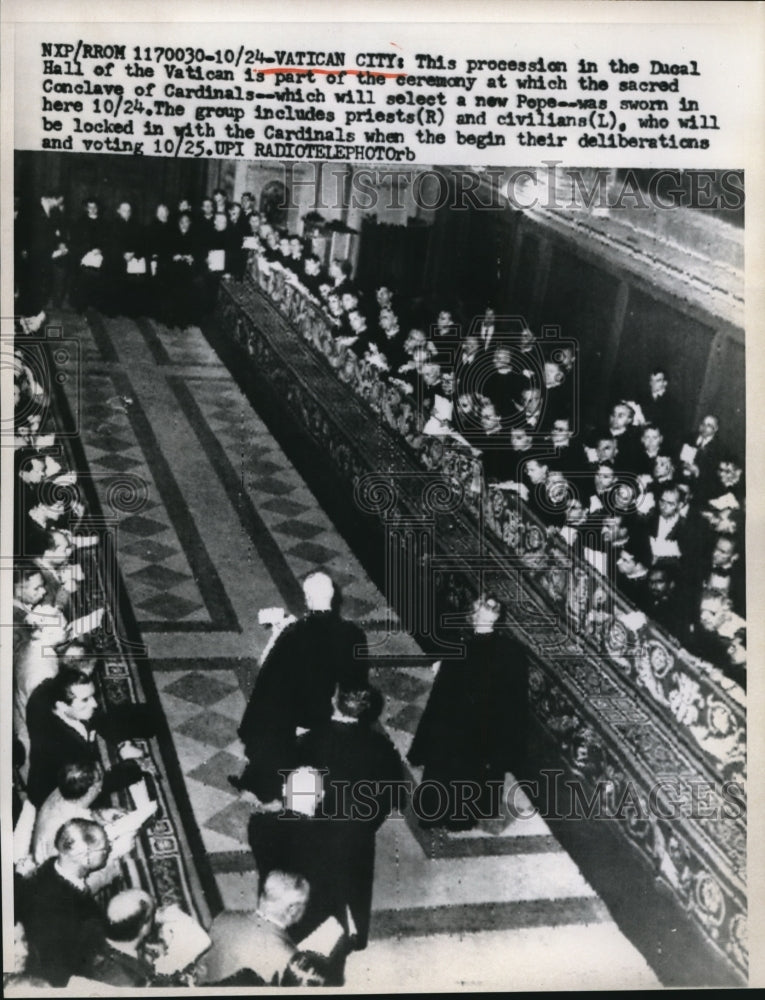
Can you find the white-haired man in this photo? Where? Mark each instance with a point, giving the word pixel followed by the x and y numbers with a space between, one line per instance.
pixel 129 921
pixel 255 948
pixel 294 687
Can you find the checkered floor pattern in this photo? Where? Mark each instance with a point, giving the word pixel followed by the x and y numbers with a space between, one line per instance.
pixel 228 527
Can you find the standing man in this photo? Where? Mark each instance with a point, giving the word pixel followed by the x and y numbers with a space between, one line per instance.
pixel 473 728
pixel 295 685
pixel 45 244
pixel 362 785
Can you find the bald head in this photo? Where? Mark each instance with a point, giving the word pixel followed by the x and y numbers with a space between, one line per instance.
pixel 129 915
pixel 318 590
pixel 82 844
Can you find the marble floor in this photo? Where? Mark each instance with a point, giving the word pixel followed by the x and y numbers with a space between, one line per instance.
pixel 226 525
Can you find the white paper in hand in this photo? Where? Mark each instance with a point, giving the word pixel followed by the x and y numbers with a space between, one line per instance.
pixel 325 938
pixel 136 265
pixel 216 260
pixel 86 624
pixel 688 454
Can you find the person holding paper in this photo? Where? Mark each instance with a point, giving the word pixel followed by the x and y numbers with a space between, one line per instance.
pixel 250 949
pixel 90 243
pixel 700 457
pixel 182 299
pixel 295 685
pixel 80 785
pixel 127 265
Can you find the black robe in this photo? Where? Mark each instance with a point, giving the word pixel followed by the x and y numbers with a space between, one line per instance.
pixel 367 761
pixel 294 687
pixel 88 283
pixel 474 724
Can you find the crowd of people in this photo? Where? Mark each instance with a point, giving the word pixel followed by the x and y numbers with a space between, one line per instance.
pixel 656 507
pixel 85 786
pixel 110 261
pixel 659 510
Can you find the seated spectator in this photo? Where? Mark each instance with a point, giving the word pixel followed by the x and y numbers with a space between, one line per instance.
pixel 737 654
pixel 556 397
pixel 621 427
pixel 129 921
pixel 340 272
pixel 631 575
pixel 700 458
pixel 35 661
pixel 258 942
pixel 503 386
pixel 661 601
pixel 467 368
pixel 79 786
pixel 530 408
pixel 62 715
pixel 666 528
pixel 714 630
pixel 725 573
pixel 28 593
pixel 566 458
pixel 65 926
pixel 651 441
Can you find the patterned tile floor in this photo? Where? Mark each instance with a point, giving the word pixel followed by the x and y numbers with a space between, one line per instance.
pixel 228 527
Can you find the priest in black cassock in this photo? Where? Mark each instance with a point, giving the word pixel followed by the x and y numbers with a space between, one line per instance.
pixel 473 728
pixel 294 687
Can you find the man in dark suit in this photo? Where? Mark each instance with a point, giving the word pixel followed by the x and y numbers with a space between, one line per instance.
pixel 660 409
pixel 701 472
pixel 62 719
pixel 65 926
pixel 666 528
pixel 295 685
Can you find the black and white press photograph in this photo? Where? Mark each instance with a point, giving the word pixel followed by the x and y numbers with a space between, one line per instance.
pixel 379 576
